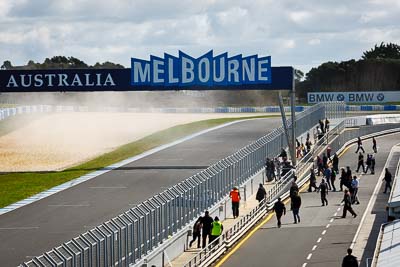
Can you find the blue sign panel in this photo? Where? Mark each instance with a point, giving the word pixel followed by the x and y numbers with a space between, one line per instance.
pixel 207 70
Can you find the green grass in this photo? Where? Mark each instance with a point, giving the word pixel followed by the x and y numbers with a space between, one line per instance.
pixel 18 186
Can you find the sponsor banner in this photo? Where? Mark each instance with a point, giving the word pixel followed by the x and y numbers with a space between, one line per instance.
pixel 355 97
pixel 86 80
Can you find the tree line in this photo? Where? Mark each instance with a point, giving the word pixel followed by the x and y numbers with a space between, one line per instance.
pixel 378 69
pixel 60 62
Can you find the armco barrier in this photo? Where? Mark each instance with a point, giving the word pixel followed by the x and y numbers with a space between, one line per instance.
pixel 132 235
pixel 339 139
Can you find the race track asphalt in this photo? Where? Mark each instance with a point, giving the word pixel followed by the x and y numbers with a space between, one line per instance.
pixel 322 237
pixel 38 227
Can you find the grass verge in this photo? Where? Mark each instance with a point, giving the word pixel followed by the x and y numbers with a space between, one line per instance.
pixel 20 185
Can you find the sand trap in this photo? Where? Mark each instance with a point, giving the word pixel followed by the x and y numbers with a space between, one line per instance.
pixel 58 141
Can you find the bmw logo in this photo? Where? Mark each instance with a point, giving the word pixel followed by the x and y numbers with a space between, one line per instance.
pixel 340 97
pixel 380 97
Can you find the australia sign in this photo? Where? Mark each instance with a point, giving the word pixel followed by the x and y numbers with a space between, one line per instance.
pixel 181 72
pixel 206 70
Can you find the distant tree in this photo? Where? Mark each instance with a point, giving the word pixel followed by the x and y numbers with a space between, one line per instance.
pixel 383 51
pixel 107 65
pixel 6 65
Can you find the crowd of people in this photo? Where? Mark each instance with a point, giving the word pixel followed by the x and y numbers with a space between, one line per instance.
pixel 327 166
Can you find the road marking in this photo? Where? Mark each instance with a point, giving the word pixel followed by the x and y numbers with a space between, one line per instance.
pixel 108 187
pixel 309 256
pixel 331 221
pixel 335 214
pixel 319 239
pixel 314 247
pixel 304 264
pixel 19 228
pixel 372 199
pixel 338 209
pixel 71 205
pixel 327 226
pixel 323 232
pixel 235 248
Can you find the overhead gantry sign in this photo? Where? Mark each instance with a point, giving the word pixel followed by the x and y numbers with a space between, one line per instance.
pixel 208 72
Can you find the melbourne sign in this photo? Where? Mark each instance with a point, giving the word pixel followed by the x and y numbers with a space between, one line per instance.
pixel 206 70
pixel 355 97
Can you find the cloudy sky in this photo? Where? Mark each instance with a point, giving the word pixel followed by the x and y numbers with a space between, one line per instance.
pixel 302 34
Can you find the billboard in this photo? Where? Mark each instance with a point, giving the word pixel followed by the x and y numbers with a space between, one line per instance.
pixel 355 97
pixel 208 72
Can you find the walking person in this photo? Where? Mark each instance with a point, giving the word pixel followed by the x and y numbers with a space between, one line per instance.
pixel 320 165
pixel 372 164
pixel 323 189
pixel 335 163
pixel 216 230
pixel 355 184
pixel 196 232
pixel 349 260
pixel 343 178
pixel 313 181
pixel 280 210
pixel 206 222
pixel 296 203
pixel 374 147
pixel 261 193
pixel 327 122
pixel 327 175
pixel 235 197
pixel 328 152
pixel 320 133
pixel 294 189
pixel 321 126
pixel 325 161
pixel 333 179
pixel 347 204
pixel 348 177
pixel 359 145
pixel 388 180
pixel 368 162
pixel 360 162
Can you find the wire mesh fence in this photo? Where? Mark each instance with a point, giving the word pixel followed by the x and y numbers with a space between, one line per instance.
pixel 133 234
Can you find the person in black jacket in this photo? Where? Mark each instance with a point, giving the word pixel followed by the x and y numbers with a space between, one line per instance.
pixel 206 222
pixel 347 204
pixel 360 162
pixel 388 180
pixel 359 145
pixel 296 203
pixel 261 193
pixel 335 163
pixel 323 187
pixel 279 209
pixel 196 232
pixel 313 181
pixel 349 260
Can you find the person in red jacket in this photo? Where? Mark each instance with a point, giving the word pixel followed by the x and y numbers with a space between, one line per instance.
pixel 235 197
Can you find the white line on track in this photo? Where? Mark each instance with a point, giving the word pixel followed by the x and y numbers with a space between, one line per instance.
pixel 108 187
pixel 304 264
pixel 331 221
pixel 309 256
pixel 327 226
pixel 69 205
pixel 19 228
pixel 314 247
pixel 323 232
pixel 319 239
